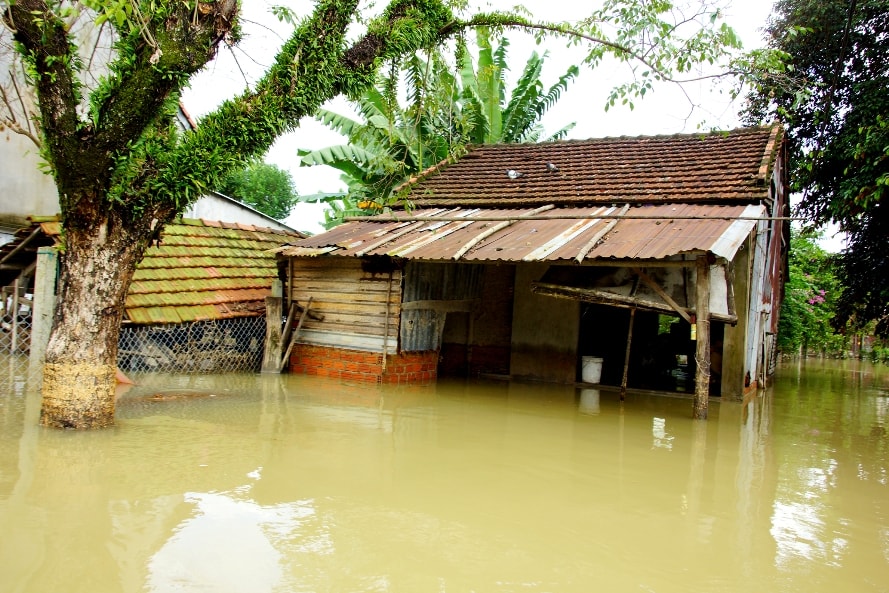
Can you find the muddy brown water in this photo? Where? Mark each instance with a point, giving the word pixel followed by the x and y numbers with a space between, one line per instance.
pixel 292 484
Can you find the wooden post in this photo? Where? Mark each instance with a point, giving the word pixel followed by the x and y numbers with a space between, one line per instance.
pixel 14 315
pixel 702 352
pixel 272 351
pixel 44 302
pixel 623 382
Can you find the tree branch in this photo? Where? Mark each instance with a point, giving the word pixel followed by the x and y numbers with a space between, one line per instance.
pixel 141 84
pixel 51 56
pixel 10 121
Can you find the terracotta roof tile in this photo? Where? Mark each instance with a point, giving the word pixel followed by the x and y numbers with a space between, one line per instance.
pixel 198 270
pixel 635 198
pixel 205 270
pixel 719 167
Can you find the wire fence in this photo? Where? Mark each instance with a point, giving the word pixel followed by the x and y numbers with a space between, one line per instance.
pixel 15 320
pixel 214 346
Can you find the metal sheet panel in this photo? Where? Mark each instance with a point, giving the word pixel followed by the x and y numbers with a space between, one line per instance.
pixel 646 232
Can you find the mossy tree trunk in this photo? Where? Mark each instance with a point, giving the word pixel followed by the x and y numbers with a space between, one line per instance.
pixel 81 358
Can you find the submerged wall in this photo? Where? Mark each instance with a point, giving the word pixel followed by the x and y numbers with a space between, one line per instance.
pixel 404 368
pixel 545 331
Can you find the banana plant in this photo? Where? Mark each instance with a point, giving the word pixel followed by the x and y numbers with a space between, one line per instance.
pixel 445 111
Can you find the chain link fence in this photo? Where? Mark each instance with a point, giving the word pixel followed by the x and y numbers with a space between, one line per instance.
pixel 214 346
pixel 15 320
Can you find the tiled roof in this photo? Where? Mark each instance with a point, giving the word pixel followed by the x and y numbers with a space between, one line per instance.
pixel 555 234
pixel 637 198
pixel 202 270
pixel 717 167
pixel 205 270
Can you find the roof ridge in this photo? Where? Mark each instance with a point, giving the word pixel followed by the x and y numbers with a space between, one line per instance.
pixel 740 131
pixel 769 153
pixel 414 179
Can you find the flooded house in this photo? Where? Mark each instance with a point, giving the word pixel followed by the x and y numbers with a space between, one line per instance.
pixel 196 303
pixel 650 262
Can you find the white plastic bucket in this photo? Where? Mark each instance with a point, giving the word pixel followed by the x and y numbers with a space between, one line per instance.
pixel 591 369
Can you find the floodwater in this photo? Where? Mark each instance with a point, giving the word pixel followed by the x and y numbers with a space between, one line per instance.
pixel 258 483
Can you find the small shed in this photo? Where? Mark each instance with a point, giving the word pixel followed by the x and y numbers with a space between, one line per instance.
pixel 196 303
pixel 539 261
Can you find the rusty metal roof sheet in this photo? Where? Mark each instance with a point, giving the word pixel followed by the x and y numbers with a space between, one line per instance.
pixel 553 234
pixel 718 167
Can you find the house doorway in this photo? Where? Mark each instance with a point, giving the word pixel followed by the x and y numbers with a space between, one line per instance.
pixel 662 352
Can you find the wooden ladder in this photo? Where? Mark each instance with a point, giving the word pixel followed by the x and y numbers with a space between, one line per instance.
pixel 289 337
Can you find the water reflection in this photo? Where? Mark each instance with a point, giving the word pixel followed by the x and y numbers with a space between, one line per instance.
pixel 280 483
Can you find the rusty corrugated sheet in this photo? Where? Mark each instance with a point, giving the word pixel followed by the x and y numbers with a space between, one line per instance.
pixel 559 234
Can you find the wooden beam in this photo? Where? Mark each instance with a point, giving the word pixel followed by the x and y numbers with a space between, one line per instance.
pixel 271 352
pixel 623 381
pixel 292 341
pixel 14 314
pixel 603 297
pixel 456 306
pixel 21 245
pixel 729 288
pixel 386 327
pixel 663 294
pixel 288 325
pixel 702 351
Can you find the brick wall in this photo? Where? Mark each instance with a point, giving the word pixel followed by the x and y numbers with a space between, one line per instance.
pixel 406 368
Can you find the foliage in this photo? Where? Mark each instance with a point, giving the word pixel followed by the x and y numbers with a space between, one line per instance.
pixel 490 118
pixel 834 96
pixel 265 187
pixel 880 353
pixel 445 112
pixel 389 142
pixel 811 295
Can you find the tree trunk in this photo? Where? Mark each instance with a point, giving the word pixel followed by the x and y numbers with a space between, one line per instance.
pixel 81 357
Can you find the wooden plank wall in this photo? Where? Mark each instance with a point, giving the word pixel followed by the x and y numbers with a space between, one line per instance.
pixel 435 284
pixel 352 296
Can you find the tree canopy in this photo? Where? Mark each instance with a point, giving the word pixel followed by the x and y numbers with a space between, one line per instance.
pixel 810 300
pixel 833 96
pixel 266 187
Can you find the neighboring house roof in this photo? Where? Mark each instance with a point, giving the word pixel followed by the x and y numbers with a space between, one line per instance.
pixel 200 270
pixel 617 198
pixel 716 167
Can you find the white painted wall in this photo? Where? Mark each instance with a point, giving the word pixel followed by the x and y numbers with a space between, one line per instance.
pixel 225 209
pixel 24 189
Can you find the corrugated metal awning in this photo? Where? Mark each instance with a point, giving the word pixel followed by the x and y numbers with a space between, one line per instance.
pixel 541 234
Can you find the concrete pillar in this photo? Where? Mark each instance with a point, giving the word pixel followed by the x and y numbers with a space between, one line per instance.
pixel 44 302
